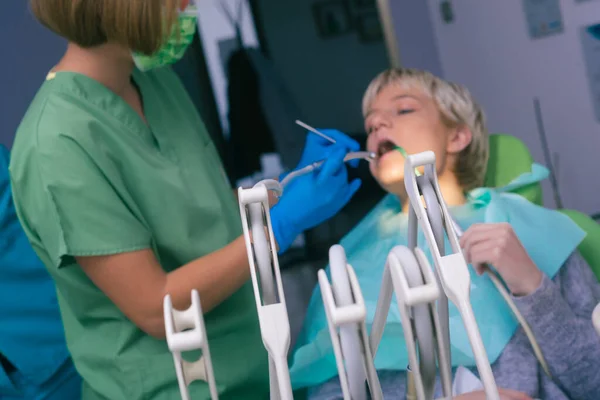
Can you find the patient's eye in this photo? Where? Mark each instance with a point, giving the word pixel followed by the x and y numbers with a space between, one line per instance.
pixel 403 111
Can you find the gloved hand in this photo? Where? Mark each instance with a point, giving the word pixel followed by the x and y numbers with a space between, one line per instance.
pixel 318 148
pixel 312 199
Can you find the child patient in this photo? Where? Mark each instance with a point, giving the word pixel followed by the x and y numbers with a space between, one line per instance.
pixel 533 249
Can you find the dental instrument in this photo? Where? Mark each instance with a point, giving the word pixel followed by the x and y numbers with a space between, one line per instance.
pixel 413 269
pixel 346 311
pixel 266 282
pixel 411 278
pixel 451 269
pixel 358 155
pixel 186 331
pixel 315 131
pixel 409 275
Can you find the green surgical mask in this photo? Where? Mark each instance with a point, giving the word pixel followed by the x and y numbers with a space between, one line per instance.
pixel 175 46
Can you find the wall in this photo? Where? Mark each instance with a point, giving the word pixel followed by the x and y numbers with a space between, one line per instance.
pixel 28 51
pixel 415 35
pixel 326 77
pixel 193 72
pixel 215 29
pixel 488 49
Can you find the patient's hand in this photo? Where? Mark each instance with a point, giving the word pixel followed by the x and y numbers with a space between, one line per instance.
pixel 504 395
pixel 498 245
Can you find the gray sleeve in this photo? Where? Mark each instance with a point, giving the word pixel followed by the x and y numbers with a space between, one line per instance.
pixel 393 386
pixel 559 313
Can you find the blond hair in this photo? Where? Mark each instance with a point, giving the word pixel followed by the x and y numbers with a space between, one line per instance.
pixel 457 108
pixel 140 25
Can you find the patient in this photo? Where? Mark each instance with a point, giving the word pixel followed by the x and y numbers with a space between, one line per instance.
pixel 533 249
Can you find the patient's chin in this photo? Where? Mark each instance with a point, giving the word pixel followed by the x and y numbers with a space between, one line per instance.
pixel 392 181
pixel 397 189
pixel 390 174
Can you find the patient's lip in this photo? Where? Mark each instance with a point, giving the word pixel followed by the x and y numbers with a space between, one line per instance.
pixel 380 138
pixel 383 156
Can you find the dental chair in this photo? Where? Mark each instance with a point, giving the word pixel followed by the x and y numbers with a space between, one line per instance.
pixel 509 157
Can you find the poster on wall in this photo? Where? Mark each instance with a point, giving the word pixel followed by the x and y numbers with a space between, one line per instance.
pixel 544 17
pixel 590 39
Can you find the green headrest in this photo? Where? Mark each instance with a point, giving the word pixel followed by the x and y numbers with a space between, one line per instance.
pixel 509 158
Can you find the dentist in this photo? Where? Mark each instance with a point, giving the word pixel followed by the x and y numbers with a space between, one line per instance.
pixel 123 197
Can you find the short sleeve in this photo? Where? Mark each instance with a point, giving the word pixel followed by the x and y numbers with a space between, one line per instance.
pixel 84 208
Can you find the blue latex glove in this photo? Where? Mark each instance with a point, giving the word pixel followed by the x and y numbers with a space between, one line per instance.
pixel 318 148
pixel 312 199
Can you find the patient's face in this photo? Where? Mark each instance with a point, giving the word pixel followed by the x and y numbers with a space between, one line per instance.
pixel 409 118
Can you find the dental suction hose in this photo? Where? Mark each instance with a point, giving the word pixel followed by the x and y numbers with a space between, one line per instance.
pixel 537 350
pixel 358 155
pixel 434 213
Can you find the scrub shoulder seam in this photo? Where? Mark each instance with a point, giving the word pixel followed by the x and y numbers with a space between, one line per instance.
pixel 106 252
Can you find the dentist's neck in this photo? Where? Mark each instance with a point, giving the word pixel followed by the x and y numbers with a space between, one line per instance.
pixel 451 191
pixel 109 64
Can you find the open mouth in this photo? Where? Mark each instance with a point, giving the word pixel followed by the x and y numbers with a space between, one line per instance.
pixel 385 147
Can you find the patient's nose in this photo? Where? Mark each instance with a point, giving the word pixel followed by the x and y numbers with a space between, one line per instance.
pixel 381 120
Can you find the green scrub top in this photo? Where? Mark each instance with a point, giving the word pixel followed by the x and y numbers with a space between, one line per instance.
pixel 91 178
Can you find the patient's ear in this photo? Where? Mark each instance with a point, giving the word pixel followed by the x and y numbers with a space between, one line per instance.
pixel 459 139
